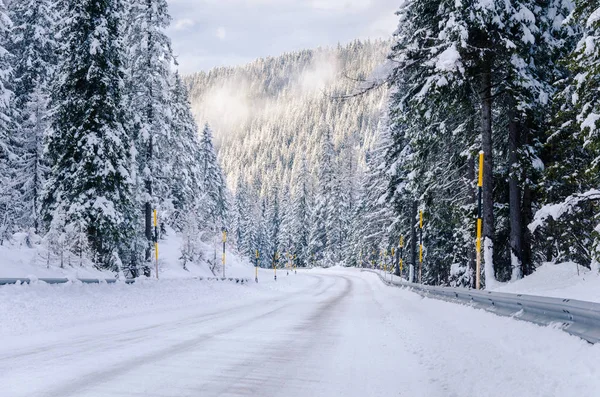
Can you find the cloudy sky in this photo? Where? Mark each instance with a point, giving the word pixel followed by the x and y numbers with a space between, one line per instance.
pixel 209 33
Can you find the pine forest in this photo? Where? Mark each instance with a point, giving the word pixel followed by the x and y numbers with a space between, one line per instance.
pixel 475 118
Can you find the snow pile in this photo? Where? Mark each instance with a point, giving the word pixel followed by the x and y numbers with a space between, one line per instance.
pixel 20 259
pixel 559 281
pixel 28 309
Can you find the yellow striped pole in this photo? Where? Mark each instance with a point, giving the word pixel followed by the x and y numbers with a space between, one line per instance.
pixel 223 257
pixel 479 222
pixel 385 254
pixel 401 252
pixel 256 267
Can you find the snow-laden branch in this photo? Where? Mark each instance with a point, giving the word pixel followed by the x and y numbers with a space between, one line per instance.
pixel 555 211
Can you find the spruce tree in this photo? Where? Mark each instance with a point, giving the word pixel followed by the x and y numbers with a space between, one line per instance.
pixel 322 212
pixel 186 183
pixel 7 144
pixel 34 60
pixel 213 182
pixel 149 61
pixel 301 213
pixel 89 148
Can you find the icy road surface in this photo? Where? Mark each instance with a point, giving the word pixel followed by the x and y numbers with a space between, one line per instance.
pixel 319 333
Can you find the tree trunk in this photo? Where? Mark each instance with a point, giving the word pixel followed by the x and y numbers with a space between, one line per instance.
pixel 150 148
pixel 527 218
pixel 148 205
pixel 413 241
pixel 397 262
pixel 526 214
pixel 488 167
pixel 516 238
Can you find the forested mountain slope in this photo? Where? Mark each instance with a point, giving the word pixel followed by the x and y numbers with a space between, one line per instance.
pixel 286 138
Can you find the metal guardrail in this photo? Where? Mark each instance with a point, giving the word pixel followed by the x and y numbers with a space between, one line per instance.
pixel 237 280
pixel 25 280
pixel 576 317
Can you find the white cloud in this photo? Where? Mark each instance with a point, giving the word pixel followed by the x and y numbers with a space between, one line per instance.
pixel 260 28
pixel 342 5
pixel 183 24
pixel 383 26
pixel 221 33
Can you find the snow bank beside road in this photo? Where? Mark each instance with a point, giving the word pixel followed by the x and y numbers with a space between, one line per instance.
pixel 558 281
pixel 19 259
pixel 28 309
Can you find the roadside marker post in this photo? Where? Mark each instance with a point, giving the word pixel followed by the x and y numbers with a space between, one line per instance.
pixel 392 261
pixel 479 222
pixel 401 252
pixel 276 259
pixel 156 240
pixel 256 267
pixel 385 266
pixel 223 257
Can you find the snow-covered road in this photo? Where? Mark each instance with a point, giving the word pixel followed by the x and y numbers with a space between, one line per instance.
pixel 324 333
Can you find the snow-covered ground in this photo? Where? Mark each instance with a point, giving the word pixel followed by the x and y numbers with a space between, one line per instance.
pixel 562 280
pixel 335 332
pixel 17 259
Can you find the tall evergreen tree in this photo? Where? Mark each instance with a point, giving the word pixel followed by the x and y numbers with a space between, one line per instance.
pixel 34 58
pixel 301 208
pixel 322 213
pixel 244 218
pixel 149 74
pixel 89 147
pixel 186 183
pixel 7 147
pixel 213 183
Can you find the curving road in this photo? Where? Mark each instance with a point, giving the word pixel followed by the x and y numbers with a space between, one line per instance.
pixel 342 333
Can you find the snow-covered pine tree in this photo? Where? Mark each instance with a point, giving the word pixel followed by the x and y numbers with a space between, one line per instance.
pixel 244 217
pixel 372 222
pixel 261 238
pixel 274 253
pixel 33 48
pixel 300 224
pixel 572 150
pixel 321 216
pixel 6 130
pixel 89 147
pixel 286 214
pixel 453 59
pixel 213 183
pixel 186 183
pixel 433 127
pixel 149 60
